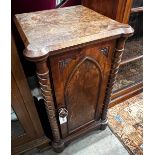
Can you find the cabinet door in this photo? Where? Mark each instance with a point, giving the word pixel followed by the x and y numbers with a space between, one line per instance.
pixel 79 79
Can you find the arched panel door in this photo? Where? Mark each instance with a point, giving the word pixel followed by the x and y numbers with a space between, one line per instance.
pixel 82 93
pixel 80 79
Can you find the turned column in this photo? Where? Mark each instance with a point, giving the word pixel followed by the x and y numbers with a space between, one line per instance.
pixel 44 81
pixel 116 59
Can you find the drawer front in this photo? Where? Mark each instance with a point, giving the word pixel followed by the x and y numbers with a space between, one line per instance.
pixel 79 79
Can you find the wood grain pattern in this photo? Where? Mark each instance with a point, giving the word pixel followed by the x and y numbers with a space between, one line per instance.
pixel 126 94
pixel 106 7
pixel 46 32
pixel 79 87
pixel 118 10
pixel 74 52
pixel 38 143
pixel 82 89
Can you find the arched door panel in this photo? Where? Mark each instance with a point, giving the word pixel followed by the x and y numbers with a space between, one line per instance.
pixel 82 92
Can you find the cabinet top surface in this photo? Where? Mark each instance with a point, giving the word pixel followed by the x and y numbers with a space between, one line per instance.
pixel 44 32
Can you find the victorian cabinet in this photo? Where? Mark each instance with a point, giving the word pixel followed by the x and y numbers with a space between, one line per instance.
pixel 129 81
pixel 77 53
pixel 26 129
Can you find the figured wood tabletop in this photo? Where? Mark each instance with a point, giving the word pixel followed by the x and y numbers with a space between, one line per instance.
pixel 48 31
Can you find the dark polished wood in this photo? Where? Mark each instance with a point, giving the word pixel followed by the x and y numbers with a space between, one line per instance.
pixel 105 7
pixel 39 143
pixel 126 93
pixel 44 81
pixel 116 9
pixel 127 90
pixel 116 59
pixel 77 75
pixel 77 53
pixel 23 105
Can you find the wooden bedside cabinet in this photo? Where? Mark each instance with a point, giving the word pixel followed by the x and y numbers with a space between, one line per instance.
pixel 77 53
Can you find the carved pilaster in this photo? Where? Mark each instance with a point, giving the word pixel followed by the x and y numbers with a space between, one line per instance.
pixel 44 81
pixel 116 59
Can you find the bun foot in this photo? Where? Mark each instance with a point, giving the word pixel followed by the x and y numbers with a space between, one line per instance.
pixel 58 147
pixel 104 124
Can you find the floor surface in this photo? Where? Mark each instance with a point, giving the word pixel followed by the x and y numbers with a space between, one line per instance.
pixel 126 121
pixel 96 143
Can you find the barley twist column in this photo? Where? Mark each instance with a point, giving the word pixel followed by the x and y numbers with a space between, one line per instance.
pixel 116 59
pixel 44 81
